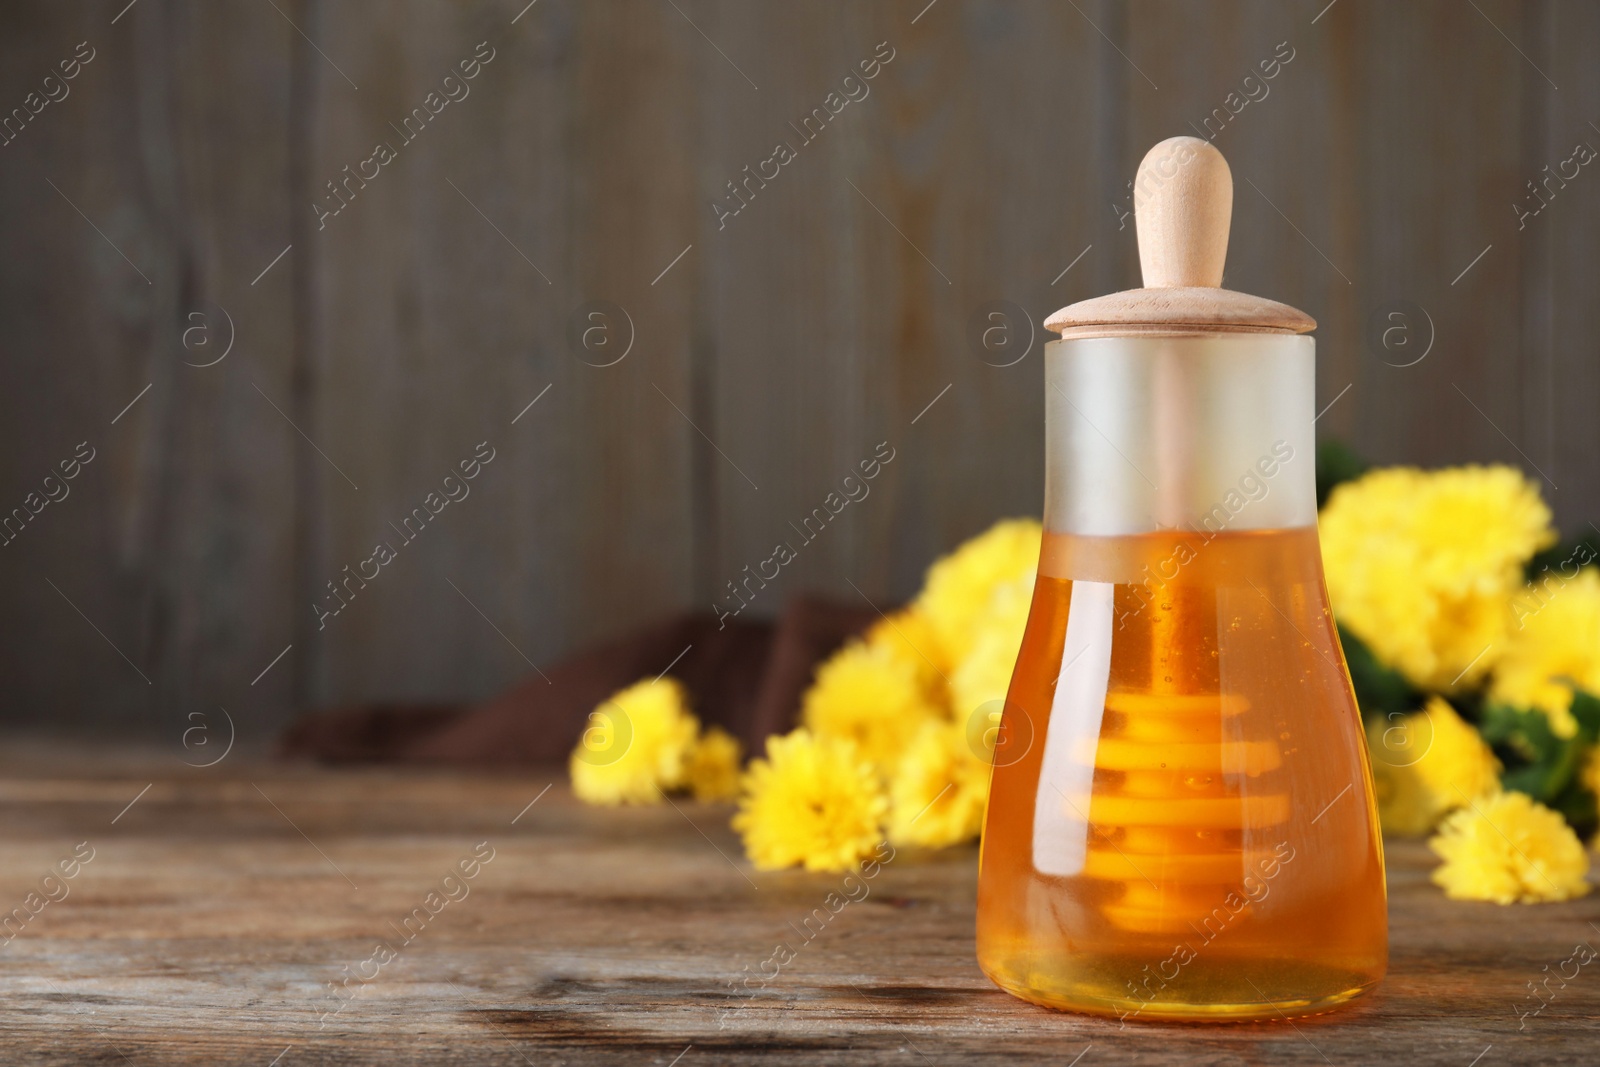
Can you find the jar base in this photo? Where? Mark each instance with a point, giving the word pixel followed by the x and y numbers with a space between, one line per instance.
pixel 1225 994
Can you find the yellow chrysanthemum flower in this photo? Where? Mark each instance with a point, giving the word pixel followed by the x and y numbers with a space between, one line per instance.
pixel 984 673
pixel 1427 764
pixel 940 790
pixel 959 587
pixel 1557 644
pixel 1506 848
pixel 865 695
pixel 713 769
pixel 1421 565
pixel 636 744
pixel 813 802
pixel 908 636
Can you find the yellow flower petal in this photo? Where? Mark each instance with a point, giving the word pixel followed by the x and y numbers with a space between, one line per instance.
pixel 870 697
pixel 983 675
pixel 959 587
pixel 1427 764
pixel 940 790
pixel 908 636
pixel 813 802
pixel 1421 565
pixel 1554 643
pixel 1506 848
pixel 636 744
pixel 713 769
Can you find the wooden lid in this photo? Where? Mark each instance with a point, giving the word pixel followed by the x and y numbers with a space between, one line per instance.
pixel 1183 206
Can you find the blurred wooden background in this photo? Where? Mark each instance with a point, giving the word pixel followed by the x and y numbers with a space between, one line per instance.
pixel 1381 171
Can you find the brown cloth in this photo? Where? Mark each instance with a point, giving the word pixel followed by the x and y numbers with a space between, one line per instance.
pixel 746 677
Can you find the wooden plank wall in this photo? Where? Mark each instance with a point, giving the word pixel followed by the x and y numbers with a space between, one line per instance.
pixel 771 350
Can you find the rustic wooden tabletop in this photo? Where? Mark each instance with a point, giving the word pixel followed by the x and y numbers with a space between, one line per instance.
pixel 253 913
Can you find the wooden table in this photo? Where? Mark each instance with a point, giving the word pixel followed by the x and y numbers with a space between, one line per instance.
pixel 219 909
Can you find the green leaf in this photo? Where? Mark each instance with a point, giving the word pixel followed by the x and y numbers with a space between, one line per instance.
pixel 1562 559
pixel 1529 750
pixel 1380 690
pixel 1540 763
pixel 1575 802
pixel 1336 463
pixel 1586 709
pixel 1577 805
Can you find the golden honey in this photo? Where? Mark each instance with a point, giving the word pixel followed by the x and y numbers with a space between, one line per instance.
pixel 1181 824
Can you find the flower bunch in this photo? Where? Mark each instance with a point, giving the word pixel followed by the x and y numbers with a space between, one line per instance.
pixel 644 740
pixel 1473 640
pixel 1474 644
pixel 883 749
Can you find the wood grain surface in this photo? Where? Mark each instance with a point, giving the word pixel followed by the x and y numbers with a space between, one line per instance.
pixel 985 171
pixel 218 909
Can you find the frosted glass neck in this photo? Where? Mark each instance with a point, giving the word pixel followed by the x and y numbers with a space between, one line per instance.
pixel 1208 434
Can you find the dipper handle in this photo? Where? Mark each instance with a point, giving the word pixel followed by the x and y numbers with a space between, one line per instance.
pixel 1183 206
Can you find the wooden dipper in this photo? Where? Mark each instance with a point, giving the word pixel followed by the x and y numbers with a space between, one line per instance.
pixel 1183 207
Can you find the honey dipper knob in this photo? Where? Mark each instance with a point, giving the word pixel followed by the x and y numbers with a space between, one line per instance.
pixel 1183 206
